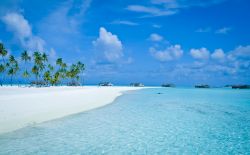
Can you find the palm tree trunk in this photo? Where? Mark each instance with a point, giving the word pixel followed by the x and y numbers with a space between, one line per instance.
pixel 27 80
pixel 36 79
pixel 11 79
pixel 2 80
pixel 82 80
pixel 25 71
pixel 3 72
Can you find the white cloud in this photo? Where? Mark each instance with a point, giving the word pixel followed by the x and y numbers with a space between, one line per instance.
pixel 218 54
pixel 109 44
pixel 177 4
pixel 59 23
pixel 155 37
pixel 61 27
pixel 154 11
pixel 128 61
pixel 84 6
pixel 203 30
pixel 223 30
pixel 22 30
pixel 17 24
pixel 170 4
pixel 125 22
pixel 169 7
pixel 171 53
pixel 240 52
pixel 156 26
pixel 201 53
pixel 52 53
pixel 235 69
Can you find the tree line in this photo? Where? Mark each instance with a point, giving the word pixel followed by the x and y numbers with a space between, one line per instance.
pixel 42 71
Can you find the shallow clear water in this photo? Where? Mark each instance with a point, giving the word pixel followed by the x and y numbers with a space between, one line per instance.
pixel 178 121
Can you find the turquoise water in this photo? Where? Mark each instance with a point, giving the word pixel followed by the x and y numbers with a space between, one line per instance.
pixel 178 121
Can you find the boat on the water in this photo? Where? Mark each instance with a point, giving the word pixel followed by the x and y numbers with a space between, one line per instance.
pixel 168 85
pixel 105 84
pixel 137 84
pixel 240 86
pixel 202 86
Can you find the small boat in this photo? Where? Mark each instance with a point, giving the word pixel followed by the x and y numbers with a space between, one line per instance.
pixel 105 84
pixel 241 86
pixel 136 84
pixel 202 86
pixel 168 85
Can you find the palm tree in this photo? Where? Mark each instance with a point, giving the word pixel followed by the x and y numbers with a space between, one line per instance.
pixel 12 59
pixel 35 71
pixel 13 67
pixel 69 74
pixel 55 79
pixel 59 61
pixel 81 67
pixel 50 72
pixel 25 57
pixel 47 77
pixel 44 57
pixel 3 52
pixel 73 73
pixel 62 68
pixel 50 67
pixel 63 71
pixel 2 70
pixel 43 65
pixel 39 66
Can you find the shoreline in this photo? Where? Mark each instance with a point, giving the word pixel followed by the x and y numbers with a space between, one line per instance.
pixel 24 106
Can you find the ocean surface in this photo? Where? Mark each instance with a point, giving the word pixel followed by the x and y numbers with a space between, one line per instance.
pixel 150 121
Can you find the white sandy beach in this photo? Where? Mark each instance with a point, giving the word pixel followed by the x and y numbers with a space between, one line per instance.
pixel 20 107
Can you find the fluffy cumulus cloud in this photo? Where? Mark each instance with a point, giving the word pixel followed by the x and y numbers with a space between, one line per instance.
pixel 218 54
pixel 235 63
pixel 109 44
pixel 22 30
pixel 17 24
pixel 155 37
pixel 201 53
pixel 240 52
pixel 170 53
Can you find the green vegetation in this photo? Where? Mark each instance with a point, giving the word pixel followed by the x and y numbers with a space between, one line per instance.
pixel 36 69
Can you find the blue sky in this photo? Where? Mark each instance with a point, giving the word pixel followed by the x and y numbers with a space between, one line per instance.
pixel 151 41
